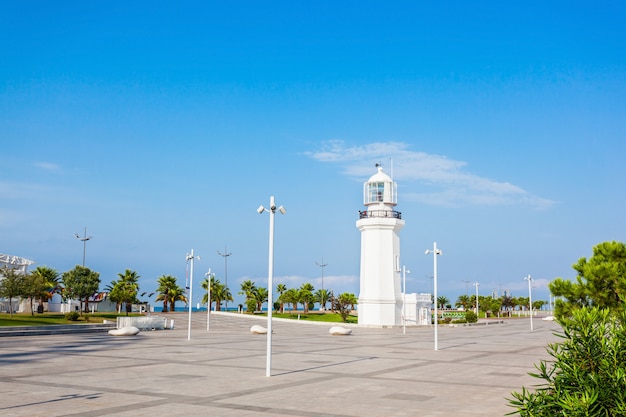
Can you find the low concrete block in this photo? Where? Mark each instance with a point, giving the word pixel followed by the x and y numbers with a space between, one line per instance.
pixel 124 331
pixel 256 329
pixel 339 331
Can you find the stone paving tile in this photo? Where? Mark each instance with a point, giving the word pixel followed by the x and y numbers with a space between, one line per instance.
pixel 374 372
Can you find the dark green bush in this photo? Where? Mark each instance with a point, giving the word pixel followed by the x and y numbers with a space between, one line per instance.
pixel 587 373
pixel 470 316
pixel 72 315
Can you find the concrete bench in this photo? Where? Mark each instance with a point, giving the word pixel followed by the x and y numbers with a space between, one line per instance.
pixel 145 323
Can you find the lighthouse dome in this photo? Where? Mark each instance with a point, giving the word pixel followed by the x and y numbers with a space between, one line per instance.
pixel 380 176
pixel 380 189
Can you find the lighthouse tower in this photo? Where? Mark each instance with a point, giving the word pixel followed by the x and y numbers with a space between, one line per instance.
pixel 380 297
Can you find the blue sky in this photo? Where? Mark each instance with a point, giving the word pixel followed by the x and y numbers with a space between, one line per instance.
pixel 162 126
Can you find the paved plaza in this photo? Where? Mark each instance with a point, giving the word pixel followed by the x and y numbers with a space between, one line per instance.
pixel 373 372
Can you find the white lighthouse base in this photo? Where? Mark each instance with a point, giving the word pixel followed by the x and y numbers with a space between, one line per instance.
pixel 379 313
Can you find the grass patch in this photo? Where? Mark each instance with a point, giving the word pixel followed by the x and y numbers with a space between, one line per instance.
pixel 311 316
pixel 46 319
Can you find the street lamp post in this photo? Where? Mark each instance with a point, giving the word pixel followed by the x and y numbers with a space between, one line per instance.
pixel 404 272
pixel 530 299
pixel 270 276
pixel 190 257
pixel 435 252
pixel 225 255
pixel 83 239
pixel 209 275
pixel 322 265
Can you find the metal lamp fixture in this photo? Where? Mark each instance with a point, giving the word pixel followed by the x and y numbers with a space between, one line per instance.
pixel 435 252
pixel 270 277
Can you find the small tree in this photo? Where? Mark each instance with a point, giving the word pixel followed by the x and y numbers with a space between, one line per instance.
pixel 11 286
pixel 251 305
pixel 344 304
pixel 125 289
pixel 32 288
pixel 601 281
pixel 81 283
pixel 470 316
pixel 290 297
pixel 305 295
pixel 587 373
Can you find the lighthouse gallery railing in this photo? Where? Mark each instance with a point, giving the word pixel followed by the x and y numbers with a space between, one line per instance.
pixel 379 213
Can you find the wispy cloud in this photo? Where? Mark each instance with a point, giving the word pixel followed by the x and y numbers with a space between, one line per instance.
pixel 48 166
pixel 445 182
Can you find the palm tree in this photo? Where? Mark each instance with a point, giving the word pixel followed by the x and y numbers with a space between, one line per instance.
pixel 50 280
pixel 290 297
pixel 260 296
pixel 247 289
pixel 351 298
pixel 222 293
pixel 305 295
pixel 125 289
pixel 176 294
pixel 219 293
pixel 280 289
pixel 463 301
pixel 205 286
pixel 166 284
pixel 322 297
pixel 442 300
pixel 110 288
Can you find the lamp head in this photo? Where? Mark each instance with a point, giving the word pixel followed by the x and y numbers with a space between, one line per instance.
pixel 427 252
pixel 261 209
pixel 282 210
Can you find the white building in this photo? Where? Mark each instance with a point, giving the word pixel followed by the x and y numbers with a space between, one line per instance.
pixel 380 297
pixel 19 265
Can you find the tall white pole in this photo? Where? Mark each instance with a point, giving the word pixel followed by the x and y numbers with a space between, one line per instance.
pixel 270 284
pixel 530 299
pixel 208 302
pixel 436 301
pixel 435 252
pixel 190 257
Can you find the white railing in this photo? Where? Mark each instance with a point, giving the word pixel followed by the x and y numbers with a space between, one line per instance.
pixel 4 306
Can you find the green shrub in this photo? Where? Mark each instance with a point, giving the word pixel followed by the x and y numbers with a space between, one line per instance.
pixel 72 316
pixel 459 321
pixel 587 373
pixel 250 306
pixel 470 316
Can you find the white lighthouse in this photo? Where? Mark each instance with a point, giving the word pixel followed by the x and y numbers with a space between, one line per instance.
pixel 380 297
